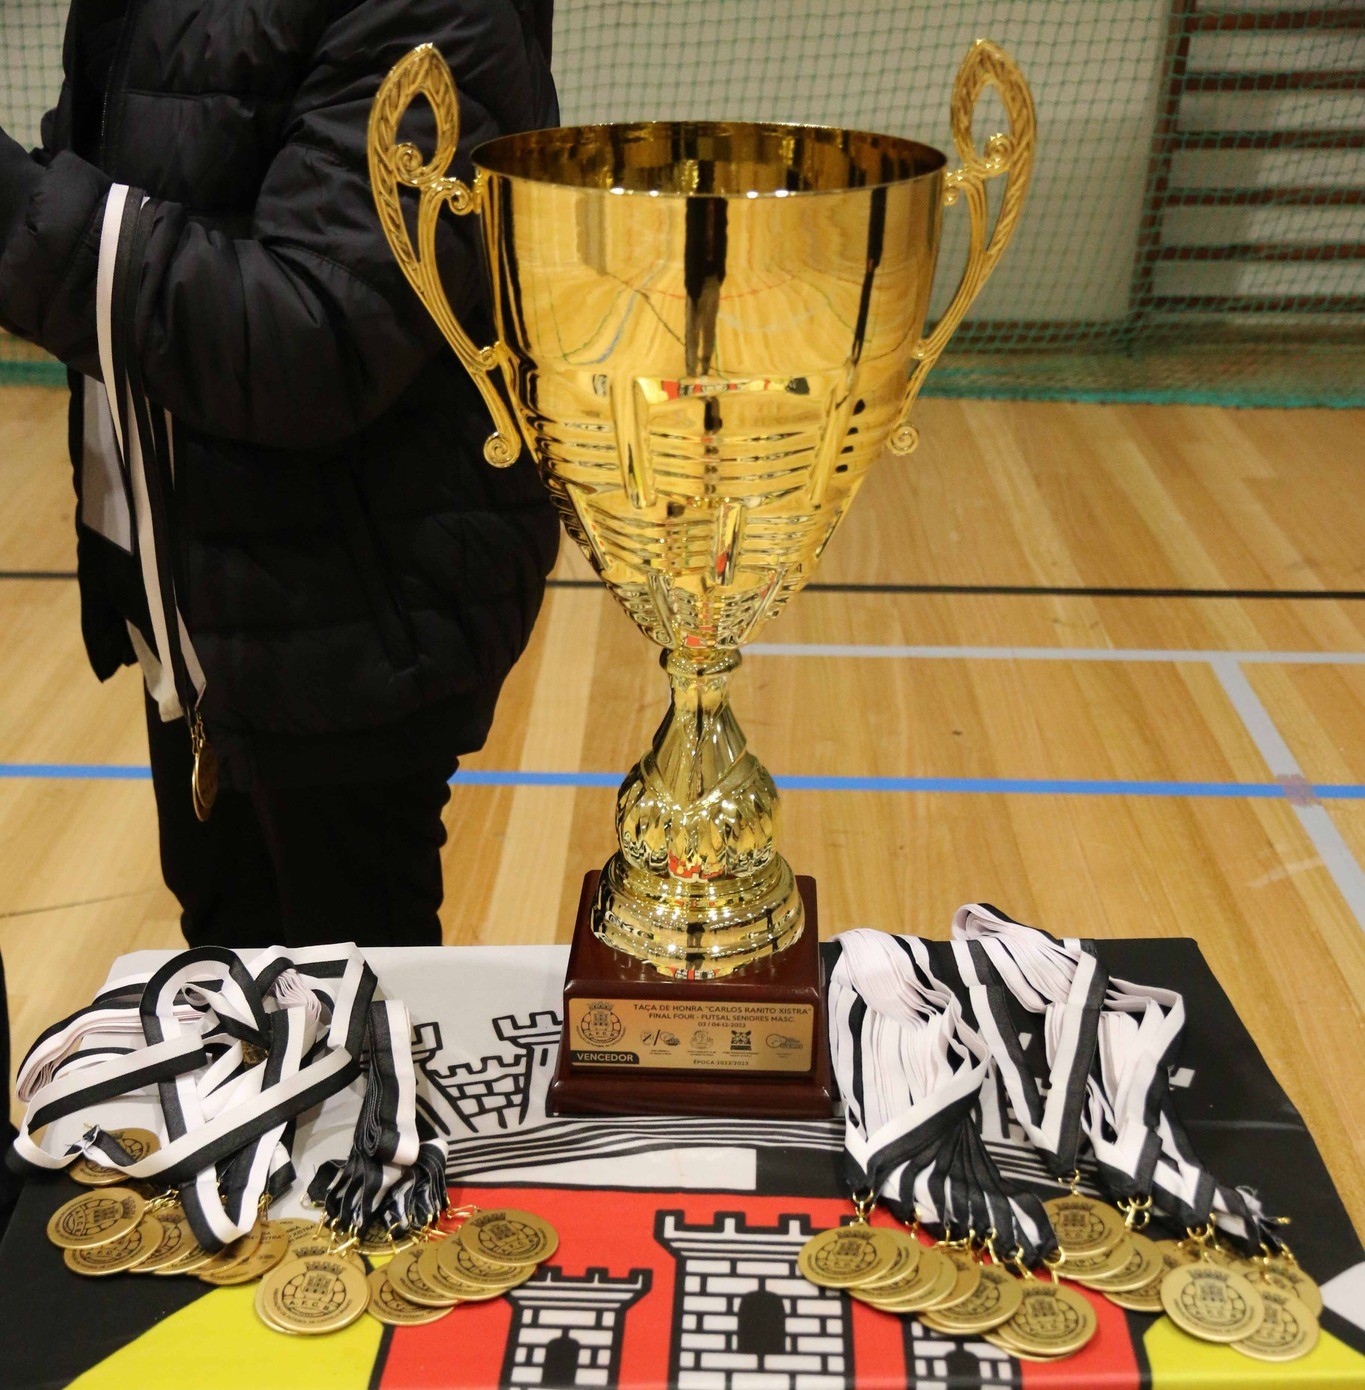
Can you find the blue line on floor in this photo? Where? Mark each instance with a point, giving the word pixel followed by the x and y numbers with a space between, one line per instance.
pixel 1018 786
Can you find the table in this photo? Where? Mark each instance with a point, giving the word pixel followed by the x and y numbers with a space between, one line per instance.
pixel 678 1236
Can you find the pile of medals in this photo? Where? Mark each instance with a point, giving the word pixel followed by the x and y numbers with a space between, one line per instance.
pixel 311 1280
pixel 958 1288
pixel 239 1052
pixel 488 1253
pixel 916 1030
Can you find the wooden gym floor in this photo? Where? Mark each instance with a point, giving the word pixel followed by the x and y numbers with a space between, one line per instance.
pixel 1098 764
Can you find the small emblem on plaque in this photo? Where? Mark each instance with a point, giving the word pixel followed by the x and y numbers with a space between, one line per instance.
pixel 701 1041
pixel 600 1025
pixel 741 1040
pixel 780 1042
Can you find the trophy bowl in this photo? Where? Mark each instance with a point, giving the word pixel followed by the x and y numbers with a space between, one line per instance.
pixel 707 333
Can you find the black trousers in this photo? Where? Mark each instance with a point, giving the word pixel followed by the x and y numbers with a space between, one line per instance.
pixel 300 865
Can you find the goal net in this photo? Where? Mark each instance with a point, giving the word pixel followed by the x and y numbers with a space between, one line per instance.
pixel 1193 229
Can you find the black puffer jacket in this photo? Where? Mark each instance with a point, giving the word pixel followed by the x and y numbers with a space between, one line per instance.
pixel 349 560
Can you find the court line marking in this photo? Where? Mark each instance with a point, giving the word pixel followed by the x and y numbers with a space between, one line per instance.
pixel 949 590
pixel 1023 786
pixel 1189 655
pixel 1322 831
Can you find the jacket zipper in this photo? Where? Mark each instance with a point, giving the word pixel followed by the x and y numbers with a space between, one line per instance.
pixel 114 80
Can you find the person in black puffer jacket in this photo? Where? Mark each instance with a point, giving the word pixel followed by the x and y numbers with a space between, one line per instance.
pixel 355 581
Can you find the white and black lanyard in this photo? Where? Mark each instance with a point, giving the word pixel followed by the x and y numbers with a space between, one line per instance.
pixel 228 1120
pixel 386 1142
pixel 1140 1145
pixel 145 437
pixel 1109 1046
pixel 910 1071
pixel 1064 984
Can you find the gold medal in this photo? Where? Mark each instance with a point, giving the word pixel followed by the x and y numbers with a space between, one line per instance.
pixel 846 1256
pixel 906 1262
pixel 994 1301
pixel 436 1274
pixel 407 1279
pixel 1051 1320
pixel 996 1339
pixel 1288 1331
pixel 115 1255
pixel 234 1251
pixel 465 1267
pixel 934 1274
pixel 388 1306
pixel 1099 1264
pixel 176 1236
pixel 1084 1226
pixel 320 1294
pixel 1288 1277
pixel 1147 1297
pixel 509 1237
pixel 270 1250
pixel 1211 1303
pixel 968 1276
pixel 189 1257
pixel 204 778
pixel 1144 1264
pixel 298 1228
pixel 91 1169
pixel 97 1216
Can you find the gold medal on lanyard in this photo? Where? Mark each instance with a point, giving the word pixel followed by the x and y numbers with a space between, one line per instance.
pixel 850 1255
pixel 204 779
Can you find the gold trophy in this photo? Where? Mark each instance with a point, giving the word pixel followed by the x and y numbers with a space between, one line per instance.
pixel 707 334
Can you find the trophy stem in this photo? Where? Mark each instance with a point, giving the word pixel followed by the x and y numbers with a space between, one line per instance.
pixel 698 888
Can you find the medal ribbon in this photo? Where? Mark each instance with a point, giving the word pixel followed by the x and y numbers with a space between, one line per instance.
pixel 1061 981
pixel 228 1123
pixel 386 1143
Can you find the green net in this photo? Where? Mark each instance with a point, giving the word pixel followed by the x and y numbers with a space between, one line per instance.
pixel 1193 231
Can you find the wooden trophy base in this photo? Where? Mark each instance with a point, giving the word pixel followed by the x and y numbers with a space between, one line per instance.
pixel 637 1043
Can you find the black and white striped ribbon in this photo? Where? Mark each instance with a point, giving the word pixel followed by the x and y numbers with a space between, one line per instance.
pixel 386 1142
pixel 1064 984
pixel 910 1070
pixel 227 1119
pixel 1139 1143
pixel 144 434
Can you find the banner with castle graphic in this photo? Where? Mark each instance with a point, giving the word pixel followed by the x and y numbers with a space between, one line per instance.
pixel 678 1237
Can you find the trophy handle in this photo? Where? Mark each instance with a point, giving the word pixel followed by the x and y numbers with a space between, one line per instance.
pixel 1012 154
pixel 424 72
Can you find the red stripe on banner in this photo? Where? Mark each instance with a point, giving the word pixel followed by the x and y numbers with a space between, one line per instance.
pixel 647 1284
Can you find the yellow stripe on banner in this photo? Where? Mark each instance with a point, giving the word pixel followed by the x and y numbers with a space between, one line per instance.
pixel 218 1343
pixel 1182 1362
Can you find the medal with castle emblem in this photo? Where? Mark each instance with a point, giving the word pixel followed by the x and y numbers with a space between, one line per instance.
pixel 1212 1303
pixel 388 1306
pixel 994 1301
pixel 1051 1320
pixel 115 1255
pixel 847 1255
pixel 1084 1226
pixel 1288 1331
pixel 509 1237
pixel 95 1217
pixel 320 1294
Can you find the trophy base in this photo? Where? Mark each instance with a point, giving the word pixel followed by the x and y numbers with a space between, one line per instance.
pixel 750 1044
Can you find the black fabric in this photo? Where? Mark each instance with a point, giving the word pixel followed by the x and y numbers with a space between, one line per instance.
pixel 350 560
pixel 19 177
pixel 301 864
